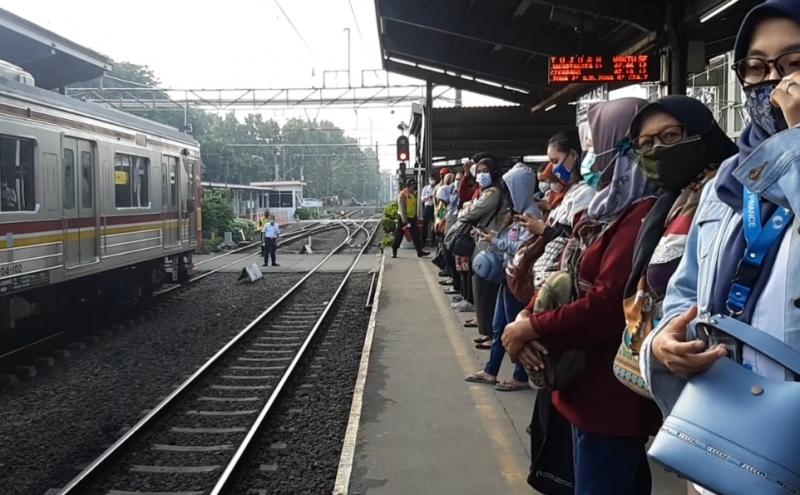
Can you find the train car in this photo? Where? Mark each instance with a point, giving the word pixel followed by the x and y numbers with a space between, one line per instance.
pixel 94 202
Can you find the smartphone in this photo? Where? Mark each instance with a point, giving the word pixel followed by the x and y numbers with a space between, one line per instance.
pixel 712 332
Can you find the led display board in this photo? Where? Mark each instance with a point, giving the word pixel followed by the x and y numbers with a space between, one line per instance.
pixel 602 69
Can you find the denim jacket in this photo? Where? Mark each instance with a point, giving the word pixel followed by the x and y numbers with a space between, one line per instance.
pixel 773 171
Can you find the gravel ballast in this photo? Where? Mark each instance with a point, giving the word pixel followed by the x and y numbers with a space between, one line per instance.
pixel 299 446
pixel 52 425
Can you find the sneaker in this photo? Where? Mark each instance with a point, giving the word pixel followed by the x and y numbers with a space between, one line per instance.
pixel 463 306
pixel 422 254
pixel 456 299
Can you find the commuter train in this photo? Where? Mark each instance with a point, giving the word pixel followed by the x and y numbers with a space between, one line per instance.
pixel 94 202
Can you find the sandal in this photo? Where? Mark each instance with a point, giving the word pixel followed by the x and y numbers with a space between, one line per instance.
pixel 445 282
pixel 481 339
pixel 451 292
pixel 484 345
pixel 511 386
pixel 481 377
pixel 470 324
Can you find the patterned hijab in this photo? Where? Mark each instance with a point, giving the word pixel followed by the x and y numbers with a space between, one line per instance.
pixel 624 182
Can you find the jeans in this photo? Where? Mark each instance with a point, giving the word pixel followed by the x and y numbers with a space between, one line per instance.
pixel 606 465
pixel 270 247
pixel 506 310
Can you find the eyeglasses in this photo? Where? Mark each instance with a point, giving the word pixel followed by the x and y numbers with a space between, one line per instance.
pixel 753 70
pixel 669 135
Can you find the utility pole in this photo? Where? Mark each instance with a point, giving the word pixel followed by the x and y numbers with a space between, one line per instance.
pixel 348 57
pixel 377 171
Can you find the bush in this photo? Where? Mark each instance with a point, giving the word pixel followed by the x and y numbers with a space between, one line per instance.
pixel 217 215
pixel 305 214
pixel 243 225
pixel 390 217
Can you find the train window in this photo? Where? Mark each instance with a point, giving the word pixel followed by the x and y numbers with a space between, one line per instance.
pixel 16 174
pixel 131 181
pixel 173 183
pixel 68 161
pixel 86 179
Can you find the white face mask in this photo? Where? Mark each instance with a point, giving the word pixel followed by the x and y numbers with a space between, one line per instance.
pixel 544 186
pixel 432 182
pixel 557 187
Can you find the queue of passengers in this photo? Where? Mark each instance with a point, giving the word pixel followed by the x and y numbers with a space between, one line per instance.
pixel 591 272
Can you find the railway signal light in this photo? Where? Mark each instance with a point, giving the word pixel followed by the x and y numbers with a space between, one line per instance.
pixel 402 149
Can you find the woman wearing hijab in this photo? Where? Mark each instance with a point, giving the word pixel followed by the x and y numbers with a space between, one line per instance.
pixel 485 212
pixel 761 184
pixel 610 423
pixel 679 147
pixel 521 183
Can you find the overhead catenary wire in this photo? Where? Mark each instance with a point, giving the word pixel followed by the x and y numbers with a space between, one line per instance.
pixel 297 31
pixel 355 19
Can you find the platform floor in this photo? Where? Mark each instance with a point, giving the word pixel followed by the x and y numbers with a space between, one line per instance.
pixel 288 262
pixel 424 430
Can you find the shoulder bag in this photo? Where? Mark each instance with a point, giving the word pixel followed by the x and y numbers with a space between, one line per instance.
pixel 459 238
pixel 519 278
pixel 638 325
pixel 733 431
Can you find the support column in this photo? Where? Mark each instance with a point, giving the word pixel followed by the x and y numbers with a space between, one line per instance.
pixel 427 150
pixel 677 52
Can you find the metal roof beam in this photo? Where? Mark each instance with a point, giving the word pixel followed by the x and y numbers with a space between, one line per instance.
pixel 458 82
pixel 646 16
pixel 429 18
pixel 500 67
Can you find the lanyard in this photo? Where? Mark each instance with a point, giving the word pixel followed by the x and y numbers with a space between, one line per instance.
pixel 758 240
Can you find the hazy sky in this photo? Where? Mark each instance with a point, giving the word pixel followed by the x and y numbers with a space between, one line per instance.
pixel 234 44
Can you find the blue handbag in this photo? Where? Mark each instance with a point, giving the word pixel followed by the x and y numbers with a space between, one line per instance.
pixel 733 431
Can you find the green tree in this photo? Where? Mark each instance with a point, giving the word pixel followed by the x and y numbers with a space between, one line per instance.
pixel 334 165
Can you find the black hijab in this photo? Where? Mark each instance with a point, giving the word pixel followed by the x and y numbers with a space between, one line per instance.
pixel 698 120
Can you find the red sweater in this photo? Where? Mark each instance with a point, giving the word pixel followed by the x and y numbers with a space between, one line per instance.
pixel 597 402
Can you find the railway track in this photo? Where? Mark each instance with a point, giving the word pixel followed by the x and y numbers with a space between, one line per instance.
pixel 29 351
pixel 197 437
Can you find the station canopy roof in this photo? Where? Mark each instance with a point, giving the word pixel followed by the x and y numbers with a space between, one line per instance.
pixel 53 60
pixel 501 48
pixel 505 132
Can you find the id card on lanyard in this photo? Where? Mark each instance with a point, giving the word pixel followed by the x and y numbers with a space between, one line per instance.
pixel 759 239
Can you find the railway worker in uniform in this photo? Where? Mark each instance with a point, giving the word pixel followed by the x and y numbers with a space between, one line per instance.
pixel 407 209
pixel 271 232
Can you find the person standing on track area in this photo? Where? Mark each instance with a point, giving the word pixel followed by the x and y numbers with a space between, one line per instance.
pixel 271 232
pixel 407 209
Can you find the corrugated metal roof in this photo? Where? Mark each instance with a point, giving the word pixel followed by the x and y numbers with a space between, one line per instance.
pixel 52 59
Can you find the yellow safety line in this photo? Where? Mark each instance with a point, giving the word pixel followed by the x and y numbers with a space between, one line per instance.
pixel 510 466
pixel 74 236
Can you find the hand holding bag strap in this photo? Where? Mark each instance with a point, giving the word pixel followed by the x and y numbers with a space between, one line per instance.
pixel 757 339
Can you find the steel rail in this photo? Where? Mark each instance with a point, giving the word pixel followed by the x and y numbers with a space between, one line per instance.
pixel 234 463
pixel 87 475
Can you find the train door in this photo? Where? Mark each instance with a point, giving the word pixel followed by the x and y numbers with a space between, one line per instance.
pixel 170 200
pixel 190 227
pixel 80 214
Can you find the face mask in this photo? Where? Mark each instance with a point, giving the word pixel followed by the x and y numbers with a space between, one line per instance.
pixel 473 169
pixel 544 186
pixel 562 172
pixel 484 180
pixel 557 187
pixel 591 177
pixel 674 166
pixel 760 109
pixel 432 182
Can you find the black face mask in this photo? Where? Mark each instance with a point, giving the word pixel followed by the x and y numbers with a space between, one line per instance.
pixel 675 166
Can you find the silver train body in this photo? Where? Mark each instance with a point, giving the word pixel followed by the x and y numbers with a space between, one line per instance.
pixel 87 192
